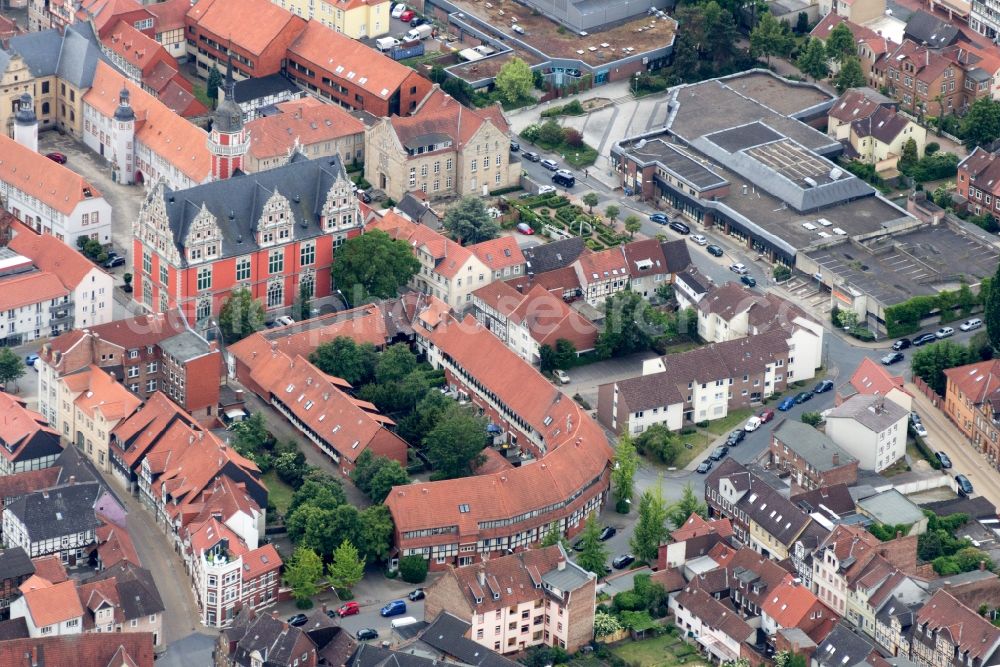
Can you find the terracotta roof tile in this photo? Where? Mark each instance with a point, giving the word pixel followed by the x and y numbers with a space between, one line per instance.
pixel 52 255
pixel 714 613
pixel 126 649
pixel 170 14
pixel 49 182
pixel 135 48
pixel 499 253
pixel 112 399
pixel 259 561
pixel 50 568
pixel 115 545
pixel 975 381
pixel 19 426
pixel 547 316
pixel 227 19
pixel 602 265
pixel 968 630
pixel 307 121
pixel 790 603
pixel 50 603
pixel 440 114
pixel 870 378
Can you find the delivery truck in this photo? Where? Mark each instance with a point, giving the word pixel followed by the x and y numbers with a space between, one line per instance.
pixel 421 32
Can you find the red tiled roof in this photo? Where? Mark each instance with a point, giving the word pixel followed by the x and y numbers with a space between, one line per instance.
pixel 131 333
pixel 25 289
pixel 439 113
pixel 968 630
pixel 103 12
pixel 135 48
pixel 50 568
pixel 52 255
pixel 546 315
pixel 696 526
pixel 499 253
pixel 259 561
pixel 49 182
pixel 23 483
pixel 975 381
pixel 789 603
pixel 180 100
pixel 870 377
pixel 114 545
pixel 603 265
pixel 832 20
pixel 50 603
pixel 112 399
pixel 125 649
pixel 19 425
pixel 227 19
pixel 308 121
pixel 170 14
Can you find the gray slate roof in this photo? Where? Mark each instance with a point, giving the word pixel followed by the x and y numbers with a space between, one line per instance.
pixel 305 183
pixel 136 589
pixel 924 27
pixel 843 648
pixel 372 655
pixel 676 254
pixel 447 634
pixel 270 636
pixel 891 507
pixel 14 563
pixel 552 256
pixel 59 511
pixel 72 57
pixel 263 86
pixel 810 444
pixel 873 412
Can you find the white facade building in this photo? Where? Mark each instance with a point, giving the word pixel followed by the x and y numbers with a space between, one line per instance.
pixel 870 428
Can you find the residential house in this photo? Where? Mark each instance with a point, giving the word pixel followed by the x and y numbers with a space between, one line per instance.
pixel 414 206
pixel 353 18
pixel 853 105
pixel 444 640
pixel 602 274
pixel 272 232
pixel 694 539
pixel 811 458
pixel 699 385
pixel 870 428
pixel 97 404
pixel 717 628
pixel 51 198
pixel 790 605
pixel 216 31
pixel 475 517
pixel 449 271
pixel 978 182
pixel 526 322
pixel 28 442
pixel 70 463
pixel 845 646
pixel 949 633
pixel 256 639
pixel 441 148
pixel 690 288
pixel 132 649
pixel 49 609
pixel 652 263
pixel 858 11
pixel 536 597
pixel 355 77
pixel 880 138
pixel 552 256
pixel 892 508
pixel 308 126
pixel 168 28
pixel 877 586
pixel 871 378
pixel 123 598
pixel 971 401
pixel 15 568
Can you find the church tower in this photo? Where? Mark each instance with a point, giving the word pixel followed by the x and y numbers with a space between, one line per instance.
pixel 123 140
pixel 26 124
pixel 229 141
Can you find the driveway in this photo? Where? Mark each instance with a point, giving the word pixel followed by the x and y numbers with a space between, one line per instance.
pixel 585 380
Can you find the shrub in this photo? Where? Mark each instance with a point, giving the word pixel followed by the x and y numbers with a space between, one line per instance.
pixel 781 272
pixel 932 148
pixel 628 601
pixel 413 569
pixel 572 137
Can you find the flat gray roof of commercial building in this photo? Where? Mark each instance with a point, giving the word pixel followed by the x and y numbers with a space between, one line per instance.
pixel 185 346
pixel 785 97
pixel 891 507
pixel 676 159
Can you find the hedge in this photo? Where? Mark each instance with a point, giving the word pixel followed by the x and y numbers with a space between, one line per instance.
pixel 904 318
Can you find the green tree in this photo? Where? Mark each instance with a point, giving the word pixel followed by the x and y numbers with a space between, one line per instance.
pixel 930 363
pixel 632 225
pixel 605 624
pixel 347 568
pixel 840 43
pixel 629 326
pixel 413 569
pixel 813 60
pixel 550 134
pixel 689 504
pixel 660 443
pixel 343 358
pixel 302 575
pixel 546 358
pixel 469 223
pixel 302 308
pixel 612 212
pixel 394 364
pixel 213 84
pixel 770 38
pixel 981 124
pixel 802 23
pixel 651 528
pixel 455 444
pixel 553 536
pixel 812 418
pixel 850 75
pixel 909 157
pixel 250 435
pixel 566 354
pixel 373 266
pixel 593 555
pixel 590 199
pixel 11 367
pixel 319 489
pixel 428 410
pixel 626 463
pixel 991 311
pixel 376 532
pixel 389 474
pixel 514 81
pixel 240 316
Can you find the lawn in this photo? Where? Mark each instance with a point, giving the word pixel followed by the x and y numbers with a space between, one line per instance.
pixel 279 493
pixel 202 95
pixel 656 652
pixel 729 422
pixel 700 441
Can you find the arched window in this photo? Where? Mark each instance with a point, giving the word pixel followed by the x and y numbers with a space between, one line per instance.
pixel 309 284
pixel 204 309
pixel 274 295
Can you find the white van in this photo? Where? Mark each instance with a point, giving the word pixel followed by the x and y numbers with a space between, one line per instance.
pixel 398 10
pixel 970 325
pixel 752 424
pixel 404 621
pixel 385 43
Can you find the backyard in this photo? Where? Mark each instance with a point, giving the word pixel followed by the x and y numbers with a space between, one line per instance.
pixel 666 650
pixel 278 493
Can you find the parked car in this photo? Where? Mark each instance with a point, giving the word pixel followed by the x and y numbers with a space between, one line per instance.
pixel 923 339
pixel 364 196
pixel 623 561
pixel 112 262
pixel 892 358
pixel 525 228
pixel 284 321
pixel 679 227
pixel 514 147
pixel 659 218
pixel 739 269
pixel 715 251
pixel 823 387
pixel 394 608
pixel 349 609
pixel 407 15
pixel 719 453
pixel 704 467
pixel 920 430
pixel 766 416
pixel 943 459
pixel 803 396
pixel 56 157
pixel 578 545
pixel 551 165
pixel 752 424
pixel 737 436
pixel 964 485
pixel 367 633
pixel 901 344
pixel 298 620
pixel 749 281
pixel 944 332
pixel 699 239
pixel 31 360
pixel 531 156
pixel 416 594
pixel 564 178
pixel 971 325
pixel 914 417
pixel 561 376
pixel 608 532
pixel 417 21
pixel 546 189
pixel 787 403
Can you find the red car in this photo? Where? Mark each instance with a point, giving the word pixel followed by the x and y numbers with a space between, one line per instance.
pixel 56 157
pixel 525 228
pixel 349 609
pixel 766 416
pixel 407 16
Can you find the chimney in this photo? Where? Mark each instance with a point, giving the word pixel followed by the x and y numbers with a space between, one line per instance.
pixel 899 534
pixel 561 565
pixel 836 458
pixel 982 566
pixel 72 480
pixel 482 576
pixel 274 614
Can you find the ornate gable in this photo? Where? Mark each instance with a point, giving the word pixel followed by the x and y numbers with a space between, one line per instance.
pixel 152 226
pixel 276 219
pixel 341 210
pixel 204 238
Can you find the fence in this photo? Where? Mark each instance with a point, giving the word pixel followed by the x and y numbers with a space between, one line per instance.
pixel 925 389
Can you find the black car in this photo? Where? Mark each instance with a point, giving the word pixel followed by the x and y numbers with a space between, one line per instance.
pixel 332 613
pixel 417 20
pixel 514 147
pixel 113 262
pixel 901 344
pixel 298 620
pixel 367 633
pixel 416 594
pixel 923 339
pixel 823 387
pixel 719 453
pixel 891 358
pixel 578 545
pixel 715 251
pixel 679 227
pixel 943 459
pixel 964 485
pixel 803 397
pixel 623 561
pixel 608 532
pixel 704 467
pixel 531 156
pixel 749 281
pixel 737 436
